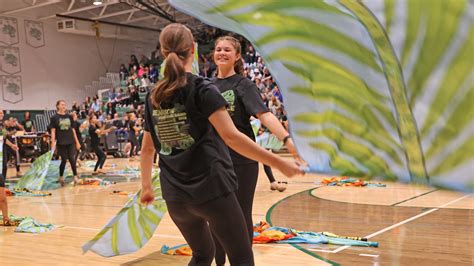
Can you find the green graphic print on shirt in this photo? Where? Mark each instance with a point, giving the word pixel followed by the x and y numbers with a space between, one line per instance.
pixel 28 124
pixel 64 123
pixel 172 129
pixel 229 96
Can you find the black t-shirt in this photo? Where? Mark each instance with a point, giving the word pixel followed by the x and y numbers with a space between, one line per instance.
pixel 28 125
pixel 10 132
pixel 132 135
pixel 194 161
pixel 76 126
pixel 244 101
pixel 64 130
pixel 95 139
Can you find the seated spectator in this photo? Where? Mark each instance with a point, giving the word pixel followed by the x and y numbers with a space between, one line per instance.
pixel 277 93
pixel 95 106
pixel 123 72
pixel 153 74
pixel 110 109
pixel 83 113
pixel 112 95
pixel 144 83
pixel 135 97
pixel 259 84
pixel 250 56
pixel 260 63
pixel 75 107
pixel 256 74
pixel 133 64
pixel 144 60
pixel 118 94
pixel 117 122
pixel 268 93
pixel 87 103
pixel 274 104
pixel 141 71
pixel 266 74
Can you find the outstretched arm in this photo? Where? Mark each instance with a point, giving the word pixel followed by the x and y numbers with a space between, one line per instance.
pixel 242 144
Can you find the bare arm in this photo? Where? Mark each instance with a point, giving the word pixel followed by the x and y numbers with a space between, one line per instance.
pixel 53 138
pixel 11 144
pixel 76 140
pixel 104 131
pixel 146 162
pixel 269 120
pixel 240 143
pixel 84 125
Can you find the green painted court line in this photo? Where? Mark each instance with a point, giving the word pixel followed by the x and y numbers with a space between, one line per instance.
pixel 269 220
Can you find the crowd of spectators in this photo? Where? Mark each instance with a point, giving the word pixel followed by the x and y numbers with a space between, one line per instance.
pixel 138 77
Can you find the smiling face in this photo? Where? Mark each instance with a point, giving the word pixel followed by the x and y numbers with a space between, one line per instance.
pixel 93 119
pixel 225 54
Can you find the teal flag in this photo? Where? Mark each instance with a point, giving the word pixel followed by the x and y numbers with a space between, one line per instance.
pixel 265 139
pixel 375 88
pixel 34 178
pixel 43 174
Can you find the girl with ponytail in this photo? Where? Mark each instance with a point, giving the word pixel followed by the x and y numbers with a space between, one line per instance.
pixel 187 124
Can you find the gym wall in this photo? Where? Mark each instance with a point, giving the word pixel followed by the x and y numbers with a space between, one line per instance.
pixel 61 67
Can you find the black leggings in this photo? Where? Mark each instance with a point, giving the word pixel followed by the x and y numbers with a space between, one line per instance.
pixel 67 153
pixel 227 223
pixel 100 158
pixel 80 153
pixel 269 173
pixel 3 175
pixel 12 153
pixel 133 143
pixel 247 175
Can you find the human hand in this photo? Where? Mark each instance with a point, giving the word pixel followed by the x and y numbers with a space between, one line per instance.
pixel 289 169
pixel 148 196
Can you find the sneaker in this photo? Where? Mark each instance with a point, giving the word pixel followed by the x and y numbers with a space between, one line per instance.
pixel 274 185
pixel 282 186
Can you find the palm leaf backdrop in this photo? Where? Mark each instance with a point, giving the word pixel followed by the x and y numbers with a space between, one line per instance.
pixel 376 88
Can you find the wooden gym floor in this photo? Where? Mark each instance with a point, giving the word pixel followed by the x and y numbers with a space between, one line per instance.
pixel 414 225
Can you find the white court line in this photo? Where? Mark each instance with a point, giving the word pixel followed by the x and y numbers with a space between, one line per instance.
pixel 53 197
pixel 37 200
pixel 406 221
pixel 368 255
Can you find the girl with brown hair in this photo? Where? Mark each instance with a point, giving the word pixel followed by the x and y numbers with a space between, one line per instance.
pixel 63 137
pixel 187 123
pixel 244 101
